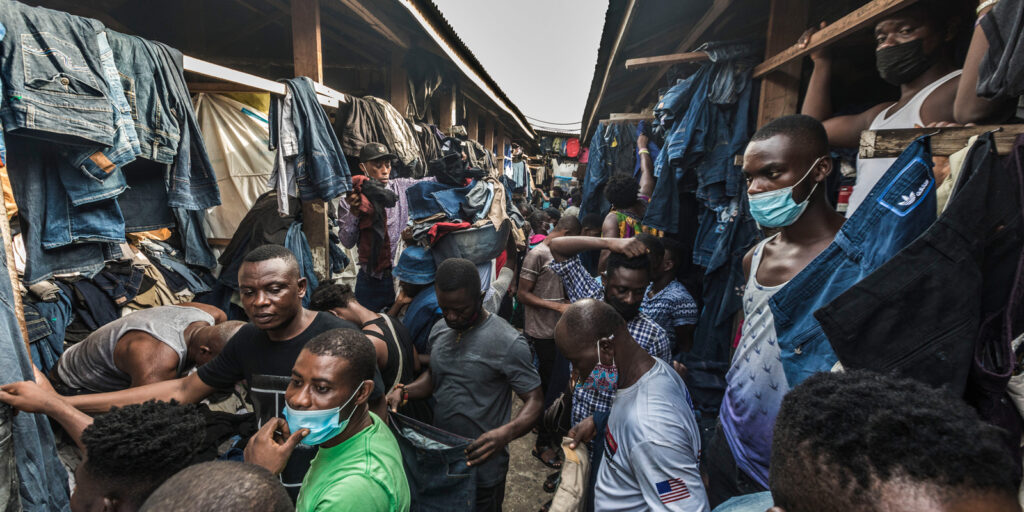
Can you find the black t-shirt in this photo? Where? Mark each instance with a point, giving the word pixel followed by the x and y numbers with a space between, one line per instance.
pixel 266 366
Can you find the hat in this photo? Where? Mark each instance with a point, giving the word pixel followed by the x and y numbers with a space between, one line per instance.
pixel 415 266
pixel 373 151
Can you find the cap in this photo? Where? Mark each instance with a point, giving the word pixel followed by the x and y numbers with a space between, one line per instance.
pixel 415 266
pixel 373 151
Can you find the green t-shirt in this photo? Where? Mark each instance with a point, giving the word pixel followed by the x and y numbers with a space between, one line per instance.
pixel 365 473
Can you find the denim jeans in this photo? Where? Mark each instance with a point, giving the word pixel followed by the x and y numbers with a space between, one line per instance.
pixel 435 462
pixel 428 198
pixel 146 197
pixel 898 209
pixel 944 309
pixel 155 125
pixel 193 238
pixel 42 476
pixel 46 323
pixel 375 294
pixel 10 501
pixel 295 241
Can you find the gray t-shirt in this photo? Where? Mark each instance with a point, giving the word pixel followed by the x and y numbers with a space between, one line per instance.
pixel 652 448
pixel 89 364
pixel 473 383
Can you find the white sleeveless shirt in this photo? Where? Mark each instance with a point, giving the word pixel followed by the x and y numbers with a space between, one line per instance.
pixel 870 170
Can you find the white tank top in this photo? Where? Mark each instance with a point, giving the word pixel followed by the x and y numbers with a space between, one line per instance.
pixel 870 170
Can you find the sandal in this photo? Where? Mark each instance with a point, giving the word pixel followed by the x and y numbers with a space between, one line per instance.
pixel 553 462
pixel 552 481
pixel 547 506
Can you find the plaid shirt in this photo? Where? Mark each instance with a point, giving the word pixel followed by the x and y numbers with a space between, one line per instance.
pixel 581 285
pixel 671 307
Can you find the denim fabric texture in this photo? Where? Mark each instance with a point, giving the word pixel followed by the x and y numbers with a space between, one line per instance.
pixel 155 125
pixel 8 465
pixel 374 293
pixel 420 316
pixel 295 241
pixel 612 150
pixel 43 480
pixel 428 198
pixel 193 238
pixel 435 462
pixel 898 209
pixel 47 323
pixel 145 199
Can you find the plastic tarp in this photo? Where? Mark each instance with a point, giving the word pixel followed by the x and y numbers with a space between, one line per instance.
pixel 236 138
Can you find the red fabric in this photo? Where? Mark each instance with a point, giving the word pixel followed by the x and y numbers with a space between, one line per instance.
pixel 500 260
pixel 536 239
pixel 572 147
pixel 366 234
pixel 739 334
pixel 584 155
pixel 443 228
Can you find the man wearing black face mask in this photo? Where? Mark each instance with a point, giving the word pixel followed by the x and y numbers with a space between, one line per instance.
pixel 913 52
pixel 476 361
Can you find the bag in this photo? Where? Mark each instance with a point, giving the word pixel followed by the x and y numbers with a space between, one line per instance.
pixel 571 493
pixel 558 416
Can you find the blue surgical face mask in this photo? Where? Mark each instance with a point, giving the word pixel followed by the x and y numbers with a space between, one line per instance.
pixel 604 377
pixel 323 424
pixel 776 208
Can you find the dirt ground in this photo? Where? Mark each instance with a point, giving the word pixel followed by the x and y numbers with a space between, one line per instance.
pixel 526 474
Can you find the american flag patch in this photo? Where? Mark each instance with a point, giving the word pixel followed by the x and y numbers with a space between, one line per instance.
pixel 672 490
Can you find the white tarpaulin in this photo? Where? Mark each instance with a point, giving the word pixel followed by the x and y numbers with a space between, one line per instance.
pixel 236 137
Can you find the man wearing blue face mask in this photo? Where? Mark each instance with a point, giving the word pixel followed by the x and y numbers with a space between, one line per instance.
pixel 785 162
pixel 359 465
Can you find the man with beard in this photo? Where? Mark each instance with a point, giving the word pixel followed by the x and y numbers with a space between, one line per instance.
pixel 476 361
pixel 626 278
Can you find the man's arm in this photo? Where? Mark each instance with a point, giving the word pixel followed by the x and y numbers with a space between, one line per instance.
pixel 29 397
pixel 969 107
pixel 418 389
pixel 565 247
pixel 491 441
pixel 217 314
pixel 647 179
pixel 527 297
pixel 348 224
pixel 188 390
pixel 668 476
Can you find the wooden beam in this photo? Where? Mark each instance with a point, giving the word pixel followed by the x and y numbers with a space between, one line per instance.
pixel 623 29
pixel 447 110
pixel 472 122
pixel 867 15
pixel 718 7
pixel 376 23
pixel 220 87
pixel 399 83
pixel 890 143
pixel 487 125
pixel 643 116
pixel 668 60
pixel 501 140
pixel 780 91
pixel 307 52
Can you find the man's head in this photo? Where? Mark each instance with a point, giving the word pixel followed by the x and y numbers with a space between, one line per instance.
pixel 566 226
pixel 590 224
pixel 586 325
pixel 131 450
pixel 621 191
pixel 209 340
pixel 458 293
pixel 220 485
pixel 557 192
pixel 335 298
pixel 625 282
pixel 675 256
pixel 790 151
pixel 334 367
pixel 911 40
pixel 375 161
pixel 861 441
pixel 655 253
pixel 553 213
pixel 271 287
pixel 539 222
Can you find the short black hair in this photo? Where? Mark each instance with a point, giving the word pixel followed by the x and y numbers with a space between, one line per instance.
pixel 617 260
pixel 538 219
pixel 674 251
pixel 554 213
pixel 655 247
pixel 592 221
pixel 558 190
pixel 570 224
pixel 589 319
pixel 135 448
pixel 621 191
pixel 269 252
pixel 350 345
pixel 220 485
pixel 331 295
pixel 840 436
pixel 803 130
pixel 457 274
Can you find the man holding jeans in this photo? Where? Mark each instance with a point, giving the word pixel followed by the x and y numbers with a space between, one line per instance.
pixel 784 163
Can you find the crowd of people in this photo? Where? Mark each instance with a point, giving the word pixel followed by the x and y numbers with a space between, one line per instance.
pixel 400 391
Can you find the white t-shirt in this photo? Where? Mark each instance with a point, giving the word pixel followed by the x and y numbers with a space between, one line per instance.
pixel 652 448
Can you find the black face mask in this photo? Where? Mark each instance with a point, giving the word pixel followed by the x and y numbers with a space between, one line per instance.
pixel 902 63
pixel 627 311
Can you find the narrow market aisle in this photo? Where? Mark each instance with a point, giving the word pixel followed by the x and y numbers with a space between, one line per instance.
pixel 526 474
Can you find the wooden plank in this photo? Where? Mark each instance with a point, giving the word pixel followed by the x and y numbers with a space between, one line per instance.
pixel 623 29
pixel 718 7
pixel 221 87
pixel 667 60
pixel 447 109
pixel 487 125
pixel 643 116
pixel 307 52
pixel 890 143
pixel 780 91
pixel 472 122
pixel 399 83
pixel 500 139
pixel 328 97
pixel 863 17
pixel 376 23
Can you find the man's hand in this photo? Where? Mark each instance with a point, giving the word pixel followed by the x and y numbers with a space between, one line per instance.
pixel 560 306
pixel 270 448
pixel 354 200
pixel 484 446
pixel 42 380
pixel 394 398
pixel 402 299
pixel 630 247
pixel 642 140
pixel 680 368
pixel 821 53
pixel 583 432
pixel 29 397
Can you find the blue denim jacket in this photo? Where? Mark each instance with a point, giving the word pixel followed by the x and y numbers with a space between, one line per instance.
pixel 157 129
pixel 900 207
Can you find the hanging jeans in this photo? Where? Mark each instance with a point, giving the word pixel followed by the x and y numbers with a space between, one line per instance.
pixel 295 241
pixel 900 207
pixel 944 310
pixel 435 462
pixel 10 501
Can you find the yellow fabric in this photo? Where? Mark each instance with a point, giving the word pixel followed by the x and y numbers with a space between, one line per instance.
pixel 12 207
pixel 257 100
pixel 156 234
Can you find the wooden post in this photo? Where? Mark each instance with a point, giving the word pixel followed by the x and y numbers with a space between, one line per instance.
pixel 447 110
pixel 500 135
pixel 399 83
pixel 487 125
pixel 472 122
pixel 308 59
pixel 780 90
